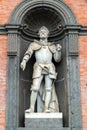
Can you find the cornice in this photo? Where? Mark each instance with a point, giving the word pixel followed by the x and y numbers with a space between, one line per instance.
pixel 18 28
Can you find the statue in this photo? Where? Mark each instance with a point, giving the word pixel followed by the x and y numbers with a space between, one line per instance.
pixel 43 68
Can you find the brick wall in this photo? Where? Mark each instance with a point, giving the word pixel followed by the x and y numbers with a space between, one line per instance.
pixel 83 78
pixel 6 7
pixel 3 64
pixel 79 8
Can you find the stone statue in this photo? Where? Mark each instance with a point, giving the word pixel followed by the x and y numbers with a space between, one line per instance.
pixel 43 68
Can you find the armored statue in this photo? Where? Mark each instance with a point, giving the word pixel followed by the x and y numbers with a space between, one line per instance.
pixel 43 69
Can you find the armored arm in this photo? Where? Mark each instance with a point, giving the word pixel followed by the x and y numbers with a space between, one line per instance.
pixel 26 57
pixel 57 54
pixel 28 53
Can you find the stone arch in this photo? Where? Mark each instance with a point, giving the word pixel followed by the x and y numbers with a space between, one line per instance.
pixel 59 5
pixel 72 69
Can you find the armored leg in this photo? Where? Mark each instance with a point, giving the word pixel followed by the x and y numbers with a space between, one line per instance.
pixel 34 89
pixel 48 87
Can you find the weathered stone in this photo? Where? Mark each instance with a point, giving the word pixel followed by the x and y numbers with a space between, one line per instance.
pixel 43 120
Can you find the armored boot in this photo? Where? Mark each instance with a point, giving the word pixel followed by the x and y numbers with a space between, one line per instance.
pixel 32 101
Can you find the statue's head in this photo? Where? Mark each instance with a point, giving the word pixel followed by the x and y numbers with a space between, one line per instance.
pixel 43 32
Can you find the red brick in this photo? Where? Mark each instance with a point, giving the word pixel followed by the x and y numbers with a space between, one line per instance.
pixel 83 78
pixel 3 70
pixel 6 8
pixel 79 8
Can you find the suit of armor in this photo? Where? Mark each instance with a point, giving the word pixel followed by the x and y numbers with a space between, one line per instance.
pixel 43 67
pixel 43 55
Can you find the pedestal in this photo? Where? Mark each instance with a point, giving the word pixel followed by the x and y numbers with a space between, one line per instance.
pixel 43 120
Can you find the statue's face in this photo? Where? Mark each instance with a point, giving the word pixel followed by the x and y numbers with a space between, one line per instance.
pixel 43 32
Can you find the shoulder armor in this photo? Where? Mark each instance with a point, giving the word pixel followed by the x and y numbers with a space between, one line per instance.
pixel 35 46
pixel 52 48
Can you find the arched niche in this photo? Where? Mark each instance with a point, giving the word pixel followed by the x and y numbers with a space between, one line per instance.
pixel 18 83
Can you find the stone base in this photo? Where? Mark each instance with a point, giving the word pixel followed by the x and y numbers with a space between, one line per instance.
pixel 46 120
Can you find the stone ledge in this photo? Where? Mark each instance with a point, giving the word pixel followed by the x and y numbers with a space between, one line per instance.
pixel 46 120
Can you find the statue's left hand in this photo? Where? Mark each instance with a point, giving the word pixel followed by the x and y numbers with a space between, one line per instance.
pixel 59 47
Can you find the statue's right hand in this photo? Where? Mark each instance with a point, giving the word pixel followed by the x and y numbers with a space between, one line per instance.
pixel 23 65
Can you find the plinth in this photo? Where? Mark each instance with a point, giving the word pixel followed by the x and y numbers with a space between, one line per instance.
pixel 43 120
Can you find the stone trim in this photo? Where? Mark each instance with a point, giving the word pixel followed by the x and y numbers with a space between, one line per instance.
pixel 21 128
pixel 44 128
pixel 9 28
pixel 78 29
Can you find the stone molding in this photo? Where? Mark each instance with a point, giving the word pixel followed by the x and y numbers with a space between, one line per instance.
pixel 58 5
pixel 18 28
